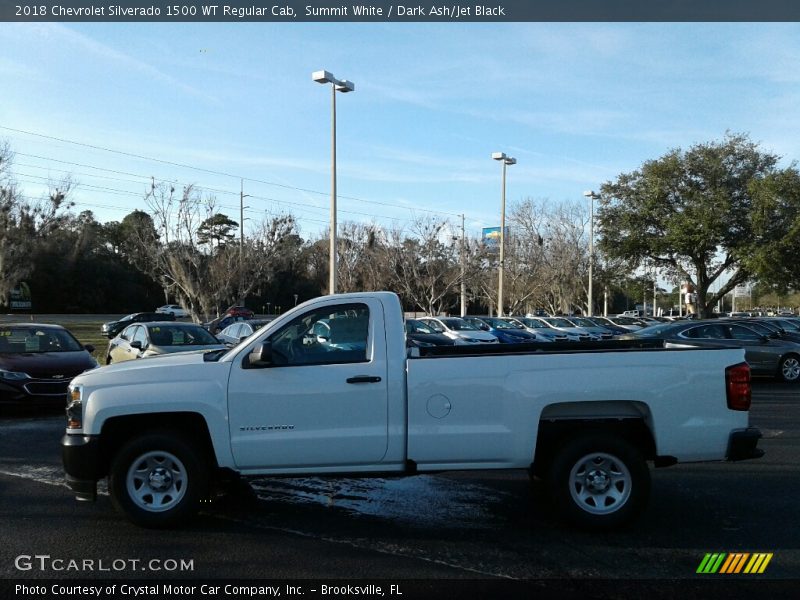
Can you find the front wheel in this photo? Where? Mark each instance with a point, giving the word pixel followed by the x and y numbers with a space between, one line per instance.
pixel 158 479
pixel 789 369
pixel 599 481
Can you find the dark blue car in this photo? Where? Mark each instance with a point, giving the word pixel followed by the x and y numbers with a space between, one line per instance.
pixel 504 331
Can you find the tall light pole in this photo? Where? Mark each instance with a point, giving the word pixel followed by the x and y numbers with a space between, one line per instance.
pixel 336 86
pixel 242 196
pixel 463 259
pixel 592 197
pixel 505 160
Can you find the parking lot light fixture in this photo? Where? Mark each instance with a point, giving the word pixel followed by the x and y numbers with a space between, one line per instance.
pixel 592 197
pixel 505 160
pixel 343 86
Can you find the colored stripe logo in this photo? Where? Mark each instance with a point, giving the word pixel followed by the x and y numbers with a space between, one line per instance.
pixel 734 563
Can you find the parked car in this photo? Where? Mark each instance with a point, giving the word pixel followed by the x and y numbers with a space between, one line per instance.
pixel 162 337
pixel 772 357
pixel 504 331
pixel 175 310
pixel 236 332
pixel 539 327
pixel 458 330
pixel 608 325
pixel 216 325
pixel 770 327
pixel 629 323
pixel 112 328
pixel 574 334
pixel 239 311
pixel 420 335
pixel 587 324
pixel 37 363
pixel 789 324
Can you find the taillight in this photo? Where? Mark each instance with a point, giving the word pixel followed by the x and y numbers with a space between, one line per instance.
pixel 737 386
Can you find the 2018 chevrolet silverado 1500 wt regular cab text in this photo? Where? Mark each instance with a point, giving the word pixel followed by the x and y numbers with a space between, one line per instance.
pixel 330 388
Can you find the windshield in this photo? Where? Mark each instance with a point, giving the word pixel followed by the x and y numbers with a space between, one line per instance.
pixel 31 339
pixel 177 335
pixel 560 322
pixel 128 317
pixel 417 327
pixel 602 321
pixel 514 323
pixel 788 325
pixel 583 322
pixel 534 324
pixel 498 323
pixel 626 321
pixel 458 325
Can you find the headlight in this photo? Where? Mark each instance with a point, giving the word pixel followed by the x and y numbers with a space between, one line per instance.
pixel 471 340
pixel 13 375
pixel 74 408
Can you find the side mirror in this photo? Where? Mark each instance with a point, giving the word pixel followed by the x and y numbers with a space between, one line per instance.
pixel 243 337
pixel 89 348
pixel 260 356
pixel 137 344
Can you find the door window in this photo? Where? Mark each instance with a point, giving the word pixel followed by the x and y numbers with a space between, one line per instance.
pixel 743 333
pixel 326 335
pixel 706 332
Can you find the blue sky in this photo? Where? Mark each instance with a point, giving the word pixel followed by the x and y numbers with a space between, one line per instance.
pixel 576 104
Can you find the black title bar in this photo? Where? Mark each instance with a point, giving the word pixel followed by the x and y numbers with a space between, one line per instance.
pixel 405 12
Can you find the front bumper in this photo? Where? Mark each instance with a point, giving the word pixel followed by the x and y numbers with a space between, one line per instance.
pixel 742 444
pixel 83 464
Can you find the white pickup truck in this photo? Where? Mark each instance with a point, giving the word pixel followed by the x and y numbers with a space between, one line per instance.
pixel 331 388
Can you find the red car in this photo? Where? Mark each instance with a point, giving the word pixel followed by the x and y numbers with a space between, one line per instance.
pixel 240 311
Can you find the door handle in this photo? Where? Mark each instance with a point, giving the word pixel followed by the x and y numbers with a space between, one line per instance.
pixel 364 379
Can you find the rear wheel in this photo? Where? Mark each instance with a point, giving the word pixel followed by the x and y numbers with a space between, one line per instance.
pixel 158 479
pixel 789 369
pixel 599 481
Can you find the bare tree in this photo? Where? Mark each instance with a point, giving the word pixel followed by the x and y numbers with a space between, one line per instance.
pixel 425 265
pixel 363 259
pixel 546 259
pixel 204 277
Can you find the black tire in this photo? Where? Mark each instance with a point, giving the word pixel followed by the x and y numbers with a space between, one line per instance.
pixel 158 479
pixel 789 369
pixel 598 481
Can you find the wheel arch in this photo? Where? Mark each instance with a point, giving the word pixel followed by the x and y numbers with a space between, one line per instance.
pixel 117 431
pixel 561 422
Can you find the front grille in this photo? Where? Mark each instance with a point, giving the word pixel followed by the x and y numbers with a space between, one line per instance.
pixel 47 388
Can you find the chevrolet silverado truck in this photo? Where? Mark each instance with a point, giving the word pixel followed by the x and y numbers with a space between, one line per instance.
pixel 330 388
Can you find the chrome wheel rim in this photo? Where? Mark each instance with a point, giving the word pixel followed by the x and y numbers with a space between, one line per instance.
pixel 600 483
pixel 156 481
pixel 790 369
